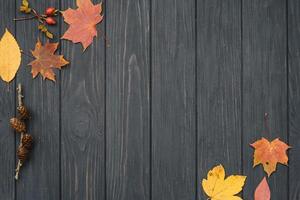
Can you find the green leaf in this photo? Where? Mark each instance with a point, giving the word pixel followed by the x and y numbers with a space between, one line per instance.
pixel 49 35
pixel 44 29
pixel 41 26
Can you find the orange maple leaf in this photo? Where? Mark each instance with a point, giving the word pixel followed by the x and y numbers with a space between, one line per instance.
pixel 269 154
pixel 46 60
pixel 82 22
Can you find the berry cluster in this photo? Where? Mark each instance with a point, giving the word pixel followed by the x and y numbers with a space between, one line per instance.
pixel 48 18
pixel 50 12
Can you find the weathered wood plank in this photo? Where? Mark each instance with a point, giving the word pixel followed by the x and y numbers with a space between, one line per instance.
pixel 173 100
pixel 218 86
pixel 264 86
pixel 7 110
pixel 127 110
pixel 294 97
pixel 40 175
pixel 82 118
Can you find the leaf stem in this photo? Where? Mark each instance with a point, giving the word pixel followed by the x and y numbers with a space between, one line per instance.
pixel 266 123
pixel 107 41
pixel 26 54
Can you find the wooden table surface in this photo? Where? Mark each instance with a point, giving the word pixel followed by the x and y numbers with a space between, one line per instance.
pixel 169 89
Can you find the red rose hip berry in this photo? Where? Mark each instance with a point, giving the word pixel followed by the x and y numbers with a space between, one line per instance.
pixel 50 11
pixel 50 21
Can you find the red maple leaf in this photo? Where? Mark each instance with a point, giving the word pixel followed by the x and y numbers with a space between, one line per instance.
pixel 82 22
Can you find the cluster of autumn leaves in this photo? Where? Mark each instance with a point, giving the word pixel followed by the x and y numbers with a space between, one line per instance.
pixel 82 29
pixel 267 153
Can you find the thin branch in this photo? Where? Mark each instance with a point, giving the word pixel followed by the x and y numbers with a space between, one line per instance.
pixel 25 18
pixel 20 96
pixel 35 15
pixel 19 161
pixel 20 103
pixel 39 17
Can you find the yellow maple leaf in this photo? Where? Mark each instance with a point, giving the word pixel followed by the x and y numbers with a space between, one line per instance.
pixel 10 56
pixel 219 188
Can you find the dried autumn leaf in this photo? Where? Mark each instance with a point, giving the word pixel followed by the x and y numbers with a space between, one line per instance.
pixel 46 60
pixel 25 3
pixel 25 7
pixel 42 27
pixel 262 192
pixel 269 154
pixel 219 188
pixel 82 22
pixel 10 57
pixel 49 35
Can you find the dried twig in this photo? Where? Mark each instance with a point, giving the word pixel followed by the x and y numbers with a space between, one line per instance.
pixel 20 103
pixel 20 96
pixel 25 18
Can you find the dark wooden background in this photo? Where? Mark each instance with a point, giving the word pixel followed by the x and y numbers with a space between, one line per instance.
pixel 177 87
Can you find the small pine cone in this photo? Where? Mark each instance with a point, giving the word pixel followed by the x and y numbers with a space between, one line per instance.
pixel 24 114
pixel 18 125
pixel 22 154
pixel 27 141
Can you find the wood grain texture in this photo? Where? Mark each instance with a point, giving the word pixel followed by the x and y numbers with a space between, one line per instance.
pixel 127 110
pixel 82 118
pixel 219 86
pixel 7 110
pixel 173 89
pixel 294 97
pixel 39 177
pixel 173 109
pixel 264 86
